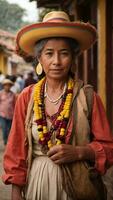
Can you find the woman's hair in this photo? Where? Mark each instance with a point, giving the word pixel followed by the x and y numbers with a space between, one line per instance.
pixel 74 47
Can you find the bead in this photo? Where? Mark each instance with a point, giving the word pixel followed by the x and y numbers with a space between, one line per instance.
pixel 58 142
pixel 40 135
pixel 42 139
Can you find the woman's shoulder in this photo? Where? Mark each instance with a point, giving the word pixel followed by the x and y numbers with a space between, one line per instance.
pixel 27 90
pixel 79 86
pixel 26 93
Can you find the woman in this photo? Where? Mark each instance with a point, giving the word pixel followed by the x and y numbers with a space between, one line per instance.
pixel 51 129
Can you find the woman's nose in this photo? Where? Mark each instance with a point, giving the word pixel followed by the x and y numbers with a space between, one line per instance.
pixel 56 59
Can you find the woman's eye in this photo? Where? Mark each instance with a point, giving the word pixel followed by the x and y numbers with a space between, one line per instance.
pixel 48 53
pixel 65 53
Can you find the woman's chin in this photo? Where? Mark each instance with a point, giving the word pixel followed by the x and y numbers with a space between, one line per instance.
pixel 57 75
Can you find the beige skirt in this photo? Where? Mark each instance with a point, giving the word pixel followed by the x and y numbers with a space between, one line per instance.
pixel 45 181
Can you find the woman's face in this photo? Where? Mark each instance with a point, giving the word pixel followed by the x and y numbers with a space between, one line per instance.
pixel 7 87
pixel 56 58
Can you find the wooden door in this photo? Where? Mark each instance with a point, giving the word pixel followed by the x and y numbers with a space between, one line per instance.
pixel 109 66
pixel 87 64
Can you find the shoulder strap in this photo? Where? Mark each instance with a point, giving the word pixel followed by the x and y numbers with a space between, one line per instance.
pixel 88 90
pixel 88 93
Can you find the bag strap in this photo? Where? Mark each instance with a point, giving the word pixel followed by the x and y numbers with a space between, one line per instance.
pixel 88 90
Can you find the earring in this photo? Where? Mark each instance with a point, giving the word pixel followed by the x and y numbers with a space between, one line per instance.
pixel 39 69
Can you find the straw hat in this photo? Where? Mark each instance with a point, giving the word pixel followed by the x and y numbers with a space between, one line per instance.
pixel 55 24
pixel 7 81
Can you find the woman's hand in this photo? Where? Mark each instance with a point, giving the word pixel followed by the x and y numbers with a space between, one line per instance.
pixel 65 153
pixel 16 193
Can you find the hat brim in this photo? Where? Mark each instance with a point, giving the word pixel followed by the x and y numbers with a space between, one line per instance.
pixel 8 83
pixel 27 37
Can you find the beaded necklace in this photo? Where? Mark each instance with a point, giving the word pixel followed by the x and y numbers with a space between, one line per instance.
pixel 56 134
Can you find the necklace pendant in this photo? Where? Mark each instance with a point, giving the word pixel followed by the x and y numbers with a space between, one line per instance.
pixel 44 149
pixel 53 138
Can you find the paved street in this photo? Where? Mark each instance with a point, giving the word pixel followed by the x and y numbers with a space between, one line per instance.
pixel 5 190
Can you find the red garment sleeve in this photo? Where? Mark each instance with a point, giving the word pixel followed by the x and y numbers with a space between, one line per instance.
pixel 102 143
pixel 16 151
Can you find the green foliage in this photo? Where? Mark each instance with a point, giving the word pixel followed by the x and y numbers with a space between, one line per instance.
pixel 11 16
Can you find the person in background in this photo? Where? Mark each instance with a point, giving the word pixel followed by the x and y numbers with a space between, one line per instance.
pixel 7 104
pixel 20 80
pixel 2 77
pixel 16 86
pixel 30 79
pixel 55 127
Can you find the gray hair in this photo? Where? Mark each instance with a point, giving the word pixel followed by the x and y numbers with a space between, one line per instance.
pixel 74 46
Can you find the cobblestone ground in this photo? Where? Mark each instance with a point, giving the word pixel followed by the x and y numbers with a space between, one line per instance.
pixel 5 190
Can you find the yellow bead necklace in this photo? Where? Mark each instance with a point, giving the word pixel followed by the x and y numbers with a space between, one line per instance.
pixel 56 135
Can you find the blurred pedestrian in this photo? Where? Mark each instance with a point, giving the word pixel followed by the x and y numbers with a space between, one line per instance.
pixel 16 86
pixel 7 104
pixel 20 80
pixel 2 77
pixel 30 79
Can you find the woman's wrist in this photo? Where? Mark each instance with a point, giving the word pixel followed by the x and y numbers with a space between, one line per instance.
pixel 85 153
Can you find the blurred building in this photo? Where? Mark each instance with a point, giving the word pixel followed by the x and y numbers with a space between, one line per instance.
pixel 10 62
pixel 95 66
pixel 6 49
